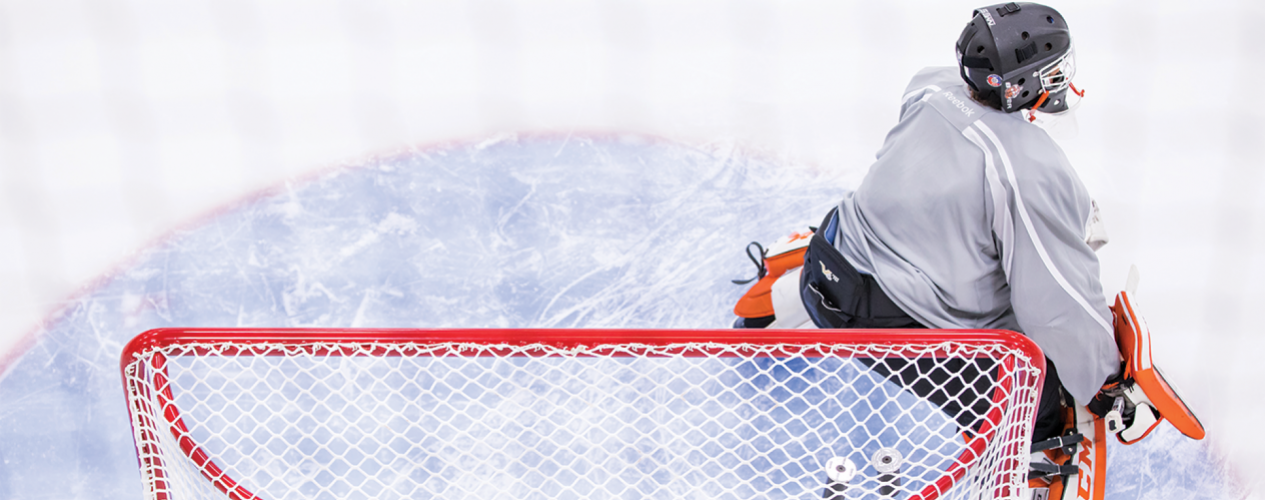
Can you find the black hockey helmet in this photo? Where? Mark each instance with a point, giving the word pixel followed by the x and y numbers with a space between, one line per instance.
pixel 1018 55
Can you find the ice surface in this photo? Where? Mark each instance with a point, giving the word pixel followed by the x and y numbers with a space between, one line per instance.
pixel 537 231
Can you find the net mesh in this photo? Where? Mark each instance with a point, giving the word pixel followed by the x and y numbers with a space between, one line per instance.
pixel 282 420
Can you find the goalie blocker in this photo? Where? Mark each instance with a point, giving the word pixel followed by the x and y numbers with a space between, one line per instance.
pixel 1143 397
pixel 1073 465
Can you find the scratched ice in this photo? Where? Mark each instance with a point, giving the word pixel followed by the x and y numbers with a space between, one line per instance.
pixel 538 231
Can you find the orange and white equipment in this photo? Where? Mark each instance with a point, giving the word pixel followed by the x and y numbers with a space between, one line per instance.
pixel 1075 463
pixel 777 292
pixel 1144 385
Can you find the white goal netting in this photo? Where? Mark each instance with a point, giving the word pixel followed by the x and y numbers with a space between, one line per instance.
pixel 294 416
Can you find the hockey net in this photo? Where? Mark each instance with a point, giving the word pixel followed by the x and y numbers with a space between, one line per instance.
pixel 281 414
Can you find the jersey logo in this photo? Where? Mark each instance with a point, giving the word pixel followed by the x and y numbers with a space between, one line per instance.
pixel 962 106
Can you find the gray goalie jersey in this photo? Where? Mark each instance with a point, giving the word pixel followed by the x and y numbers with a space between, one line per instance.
pixel 973 218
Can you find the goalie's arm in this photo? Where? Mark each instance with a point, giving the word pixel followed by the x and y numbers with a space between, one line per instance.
pixel 1054 278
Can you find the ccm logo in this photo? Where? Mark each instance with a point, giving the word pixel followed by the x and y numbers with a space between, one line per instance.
pixel 1085 470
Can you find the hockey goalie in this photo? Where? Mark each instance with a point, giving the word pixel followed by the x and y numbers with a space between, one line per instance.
pixel 972 218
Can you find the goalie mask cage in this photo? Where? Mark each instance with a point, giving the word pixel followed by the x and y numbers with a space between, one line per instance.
pixel 355 413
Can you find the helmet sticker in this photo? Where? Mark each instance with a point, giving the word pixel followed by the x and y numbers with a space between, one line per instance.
pixel 1013 92
pixel 994 80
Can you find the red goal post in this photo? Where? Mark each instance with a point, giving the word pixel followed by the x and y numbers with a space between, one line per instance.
pixel 477 413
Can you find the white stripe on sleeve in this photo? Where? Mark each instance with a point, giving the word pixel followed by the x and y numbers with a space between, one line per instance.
pixel 928 95
pixel 1003 226
pixel 1032 232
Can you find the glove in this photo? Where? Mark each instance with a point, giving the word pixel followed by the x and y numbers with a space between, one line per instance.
pixel 1112 405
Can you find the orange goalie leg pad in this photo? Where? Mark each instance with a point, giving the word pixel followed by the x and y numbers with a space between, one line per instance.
pixel 1090 457
pixel 1091 481
pixel 758 301
pixel 1134 339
